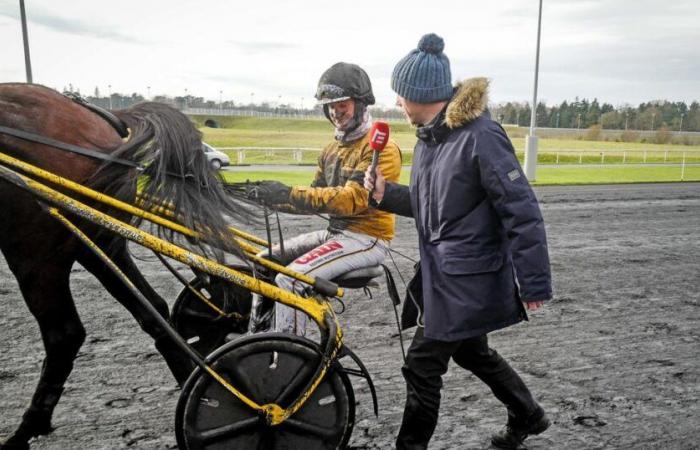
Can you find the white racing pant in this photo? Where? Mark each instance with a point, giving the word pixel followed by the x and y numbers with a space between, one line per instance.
pixel 325 254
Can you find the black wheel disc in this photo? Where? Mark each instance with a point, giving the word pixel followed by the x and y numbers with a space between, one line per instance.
pixel 210 417
pixel 201 326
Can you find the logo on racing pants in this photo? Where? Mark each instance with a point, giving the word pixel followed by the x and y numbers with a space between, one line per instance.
pixel 319 251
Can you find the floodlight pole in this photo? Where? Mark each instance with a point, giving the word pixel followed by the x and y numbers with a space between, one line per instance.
pixel 531 139
pixel 25 38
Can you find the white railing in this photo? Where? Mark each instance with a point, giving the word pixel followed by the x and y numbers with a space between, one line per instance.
pixel 280 156
pixel 649 157
pixel 565 157
pixel 272 155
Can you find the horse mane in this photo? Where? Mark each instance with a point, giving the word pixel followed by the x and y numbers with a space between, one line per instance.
pixel 177 174
pixel 162 140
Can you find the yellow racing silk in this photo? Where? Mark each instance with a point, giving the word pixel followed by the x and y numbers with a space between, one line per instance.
pixel 338 187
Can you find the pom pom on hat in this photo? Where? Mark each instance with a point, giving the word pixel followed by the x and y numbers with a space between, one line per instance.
pixel 431 43
pixel 423 76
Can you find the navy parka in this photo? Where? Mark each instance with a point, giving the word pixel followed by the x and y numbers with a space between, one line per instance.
pixel 481 236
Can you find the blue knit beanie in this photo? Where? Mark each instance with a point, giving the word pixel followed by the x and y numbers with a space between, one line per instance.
pixel 423 76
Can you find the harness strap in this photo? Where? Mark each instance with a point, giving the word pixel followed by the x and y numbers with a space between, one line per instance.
pixel 279 233
pixel 27 136
pixel 32 137
pixel 269 233
pixel 109 117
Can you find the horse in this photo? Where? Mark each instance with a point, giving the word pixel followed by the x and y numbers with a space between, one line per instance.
pixel 40 252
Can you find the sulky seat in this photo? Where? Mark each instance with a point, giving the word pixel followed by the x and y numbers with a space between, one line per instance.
pixel 360 278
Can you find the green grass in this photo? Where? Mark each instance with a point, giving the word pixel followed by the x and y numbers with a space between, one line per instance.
pixel 545 175
pixel 315 134
pixel 277 132
pixel 614 174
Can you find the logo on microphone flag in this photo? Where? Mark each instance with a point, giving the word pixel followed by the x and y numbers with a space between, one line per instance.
pixel 379 137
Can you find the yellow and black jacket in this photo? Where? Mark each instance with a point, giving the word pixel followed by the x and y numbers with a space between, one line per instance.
pixel 338 188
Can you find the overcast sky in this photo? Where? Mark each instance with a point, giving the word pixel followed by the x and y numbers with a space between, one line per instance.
pixel 620 51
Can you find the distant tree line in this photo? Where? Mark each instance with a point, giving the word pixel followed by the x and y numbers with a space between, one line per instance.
pixel 118 101
pixel 582 114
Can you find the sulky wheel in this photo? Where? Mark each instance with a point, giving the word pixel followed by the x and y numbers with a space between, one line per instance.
pixel 210 417
pixel 203 327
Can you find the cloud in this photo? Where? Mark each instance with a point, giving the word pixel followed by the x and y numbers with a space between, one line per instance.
pixel 69 25
pixel 260 83
pixel 251 48
pixel 626 50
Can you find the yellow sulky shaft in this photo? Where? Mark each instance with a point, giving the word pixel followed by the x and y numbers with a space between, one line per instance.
pixel 154 218
pixel 320 311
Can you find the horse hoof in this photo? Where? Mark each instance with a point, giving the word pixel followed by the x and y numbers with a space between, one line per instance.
pixel 43 428
pixel 12 444
pixel 35 423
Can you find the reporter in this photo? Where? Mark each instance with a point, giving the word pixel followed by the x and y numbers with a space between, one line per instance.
pixel 482 243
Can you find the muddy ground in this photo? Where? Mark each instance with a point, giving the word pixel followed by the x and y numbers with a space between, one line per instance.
pixel 614 357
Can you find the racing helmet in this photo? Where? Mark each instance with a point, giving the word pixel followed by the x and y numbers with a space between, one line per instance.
pixel 343 81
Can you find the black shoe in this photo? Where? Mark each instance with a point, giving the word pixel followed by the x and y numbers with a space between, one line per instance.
pixel 515 432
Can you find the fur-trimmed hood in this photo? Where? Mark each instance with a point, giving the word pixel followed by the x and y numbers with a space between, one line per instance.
pixel 468 103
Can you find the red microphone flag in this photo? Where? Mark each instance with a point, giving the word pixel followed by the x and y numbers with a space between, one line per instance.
pixel 379 136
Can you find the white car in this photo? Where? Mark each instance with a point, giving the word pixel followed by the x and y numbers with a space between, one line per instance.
pixel 217 159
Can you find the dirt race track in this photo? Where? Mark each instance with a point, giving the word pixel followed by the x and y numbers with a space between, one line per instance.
pixel 614 358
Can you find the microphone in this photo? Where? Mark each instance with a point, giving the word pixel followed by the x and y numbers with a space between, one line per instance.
pixel 378 138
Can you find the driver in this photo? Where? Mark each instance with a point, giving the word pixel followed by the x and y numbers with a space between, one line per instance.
pixel 357 236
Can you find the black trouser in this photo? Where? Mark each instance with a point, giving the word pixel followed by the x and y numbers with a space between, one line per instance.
pixel 427 361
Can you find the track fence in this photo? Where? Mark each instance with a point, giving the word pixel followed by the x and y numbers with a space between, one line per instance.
pixel 272 155
pixel 309 155
pixel 561 157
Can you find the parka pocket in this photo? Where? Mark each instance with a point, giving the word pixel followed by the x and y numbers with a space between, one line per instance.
pixel 470 265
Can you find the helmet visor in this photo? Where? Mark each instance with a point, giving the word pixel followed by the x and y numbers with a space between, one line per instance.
pixel 330 93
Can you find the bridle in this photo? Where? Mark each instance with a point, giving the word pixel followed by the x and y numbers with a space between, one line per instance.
pixel 116 123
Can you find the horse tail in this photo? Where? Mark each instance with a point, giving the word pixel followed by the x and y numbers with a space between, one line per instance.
pixel 178 173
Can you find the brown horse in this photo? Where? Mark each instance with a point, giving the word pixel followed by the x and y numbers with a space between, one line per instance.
pixel 40 251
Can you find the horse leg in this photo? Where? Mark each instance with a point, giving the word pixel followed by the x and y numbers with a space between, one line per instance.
pixel 178 362
pixel 46 291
